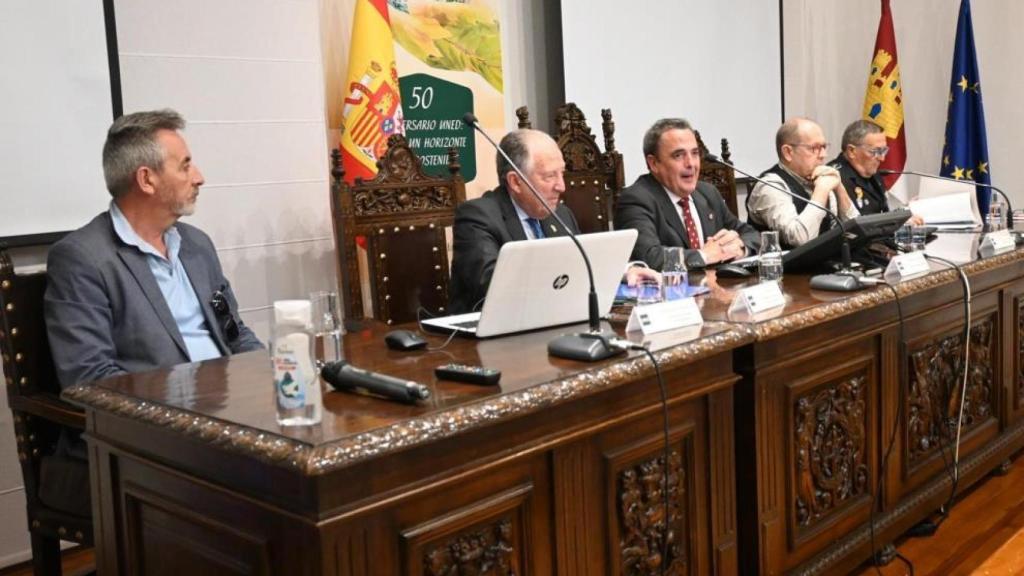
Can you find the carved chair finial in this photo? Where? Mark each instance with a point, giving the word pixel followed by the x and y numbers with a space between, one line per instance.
pixel 523 113
pixel 726 154
pixel 608 127
pixel 337 170
pixel 453 161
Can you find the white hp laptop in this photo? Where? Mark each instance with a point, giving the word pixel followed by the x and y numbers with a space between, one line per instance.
pixel 543 283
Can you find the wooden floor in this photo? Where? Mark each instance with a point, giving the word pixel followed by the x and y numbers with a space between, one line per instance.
pixel 77 562
pixel 984 534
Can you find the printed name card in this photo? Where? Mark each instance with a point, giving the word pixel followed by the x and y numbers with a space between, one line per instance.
pixel 663 316
pixel 758 298
pixel 997 243
pixel 905 266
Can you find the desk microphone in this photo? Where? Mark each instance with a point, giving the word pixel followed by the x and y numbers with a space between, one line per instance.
pixel 586 346
pixel 841 280
pixel 1009 210
pixel 343 376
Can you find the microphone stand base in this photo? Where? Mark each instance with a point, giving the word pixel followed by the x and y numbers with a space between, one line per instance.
pixel 839 282
pixel 584 346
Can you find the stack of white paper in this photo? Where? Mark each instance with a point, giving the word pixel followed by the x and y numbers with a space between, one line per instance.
pixel 947 204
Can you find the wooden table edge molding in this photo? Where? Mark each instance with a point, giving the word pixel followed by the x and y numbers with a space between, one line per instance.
pixel 316 460
pixel 875 296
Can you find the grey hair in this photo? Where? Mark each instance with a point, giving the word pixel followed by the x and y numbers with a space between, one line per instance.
pixel 855 132
pixel 653 134
pixel 514 144
pixel 131 144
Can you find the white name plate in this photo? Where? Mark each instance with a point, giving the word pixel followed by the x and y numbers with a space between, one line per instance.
pixel 906 266
pixel 758 298
pixel 654 318
pixel 997 243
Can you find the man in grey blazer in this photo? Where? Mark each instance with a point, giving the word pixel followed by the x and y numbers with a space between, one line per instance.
pixel 670 207
pixel 134 289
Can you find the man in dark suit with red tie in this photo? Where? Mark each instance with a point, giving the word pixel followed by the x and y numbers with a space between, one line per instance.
pixel 670 206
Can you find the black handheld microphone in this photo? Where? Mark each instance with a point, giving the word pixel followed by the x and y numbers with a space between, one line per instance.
pixel 821 281
pixel 1009 209
pixel 587 346
pixel 343 376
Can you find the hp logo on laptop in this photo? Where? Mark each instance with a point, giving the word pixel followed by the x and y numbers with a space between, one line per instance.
pixel 561 281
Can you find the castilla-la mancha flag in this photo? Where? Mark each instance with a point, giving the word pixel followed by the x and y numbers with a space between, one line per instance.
pixel 373 106
pixel 883 101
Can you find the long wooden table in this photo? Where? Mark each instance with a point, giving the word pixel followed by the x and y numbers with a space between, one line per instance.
pixel 559 469
pixel 832 378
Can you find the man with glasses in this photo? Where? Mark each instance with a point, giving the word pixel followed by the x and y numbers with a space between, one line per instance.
pixel 134 289
pixel 801 148
pixel 863 151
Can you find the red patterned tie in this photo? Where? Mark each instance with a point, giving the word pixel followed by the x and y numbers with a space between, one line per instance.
pixel 691 228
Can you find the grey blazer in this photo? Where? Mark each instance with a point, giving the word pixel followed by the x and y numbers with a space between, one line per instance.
pixel 105 313
pixel 646 207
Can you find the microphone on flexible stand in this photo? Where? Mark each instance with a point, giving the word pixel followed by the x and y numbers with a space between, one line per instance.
pixel 841 280
pixel 1009 209
pixel 586 346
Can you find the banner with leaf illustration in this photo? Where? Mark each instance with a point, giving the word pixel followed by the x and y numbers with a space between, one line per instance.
pixel 448 54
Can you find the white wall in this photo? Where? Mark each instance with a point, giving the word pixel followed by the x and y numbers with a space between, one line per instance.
pixel 246 74
pixel 714 63
pixel 829 45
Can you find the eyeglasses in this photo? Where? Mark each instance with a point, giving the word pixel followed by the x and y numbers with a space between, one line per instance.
pixel 219 303
pixel 879 152
pixel 814 148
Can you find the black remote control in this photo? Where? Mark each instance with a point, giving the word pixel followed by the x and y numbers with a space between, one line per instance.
pixel 471 374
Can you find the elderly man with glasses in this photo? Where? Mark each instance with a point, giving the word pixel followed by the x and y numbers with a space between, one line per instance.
pixel 864 150
pixel 801 147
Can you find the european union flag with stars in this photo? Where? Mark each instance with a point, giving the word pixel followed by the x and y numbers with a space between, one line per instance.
pixel 965 154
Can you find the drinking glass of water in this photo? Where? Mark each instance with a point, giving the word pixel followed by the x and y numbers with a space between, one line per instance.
pixel 327 330
pixel 674 277
pixel 769 260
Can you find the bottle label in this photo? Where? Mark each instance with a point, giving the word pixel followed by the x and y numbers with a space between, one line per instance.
pixel 289 381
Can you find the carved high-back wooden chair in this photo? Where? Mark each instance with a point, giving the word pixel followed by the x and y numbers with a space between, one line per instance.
pixel 33 394
pixel 593 179
pixel 400 217
pixel 720 175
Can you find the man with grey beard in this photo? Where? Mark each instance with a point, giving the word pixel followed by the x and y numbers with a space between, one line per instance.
pixel 134 289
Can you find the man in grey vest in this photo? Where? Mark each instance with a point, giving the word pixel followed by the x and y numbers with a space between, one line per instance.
pixel 801 147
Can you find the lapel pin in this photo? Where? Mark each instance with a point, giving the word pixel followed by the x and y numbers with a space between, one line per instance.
pixel 554 230
pixel 711 216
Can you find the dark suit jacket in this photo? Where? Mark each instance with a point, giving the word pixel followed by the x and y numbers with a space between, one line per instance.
pixel 481 227
pixel 105 313
pixel 646 207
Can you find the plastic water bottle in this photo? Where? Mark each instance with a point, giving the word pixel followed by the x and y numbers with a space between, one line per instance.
pixel 769 262
pixel 296 379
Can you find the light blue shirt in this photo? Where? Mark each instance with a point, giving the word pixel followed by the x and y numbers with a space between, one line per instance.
pixel 523 216
pixel 174 285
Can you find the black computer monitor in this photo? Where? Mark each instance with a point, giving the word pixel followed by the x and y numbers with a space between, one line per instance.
pixel 860 231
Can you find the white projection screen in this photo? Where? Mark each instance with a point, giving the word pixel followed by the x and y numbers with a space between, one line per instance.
pixel 714 62
pixel 55 108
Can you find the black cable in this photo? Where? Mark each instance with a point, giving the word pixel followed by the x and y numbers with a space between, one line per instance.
pixel 419 322
pixel 665 426
pixel 888 449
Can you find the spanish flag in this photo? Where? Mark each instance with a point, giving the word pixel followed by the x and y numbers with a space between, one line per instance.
pixel 373 107
pixel 883 101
